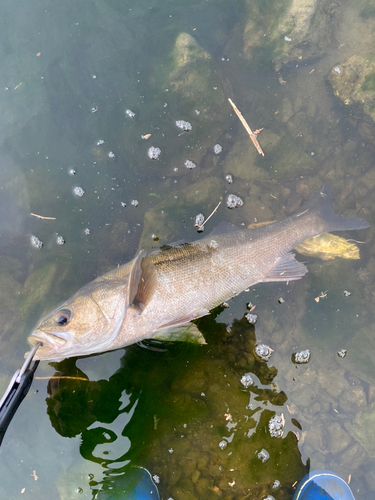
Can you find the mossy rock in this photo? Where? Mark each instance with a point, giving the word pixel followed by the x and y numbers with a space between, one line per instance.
pixel 353 82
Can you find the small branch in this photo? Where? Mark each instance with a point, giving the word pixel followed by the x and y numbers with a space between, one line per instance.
pixel 248 129
pixel 41 217
pixel 63 376
pixel 209 217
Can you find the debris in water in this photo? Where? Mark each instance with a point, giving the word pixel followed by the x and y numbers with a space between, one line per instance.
pixel 251 318
pixel 346 293
pixel 71 171
pixel 248 129
pixel 36 242
pixel 100 142
pixel 322 295
pixel 145 137
pixel 154 153
pixel 229 178
pixel 197 112
pixel 342 353
pixel 217 149
pixel 111 155
pixel 201 226
pixel 42 217
pixel 78 191
pixel 337 70
pixel 263 351
pixel 135 203
pixel 130 113
pixel 199 219
pixel 189 164
pixel 287 38
pixel 223 444
pixel 234 201
pixel 60 240
pixel 182 124
pixel 213 244
pixel 86 231
pixel 154 237
pixel 301 357
pixel 247 380
pixel 276 425
pixel 281 300
pixel 263 455
pixel 156 479
pixel 276 484
pixel 269 497
pixel 123 204
pixel 328 246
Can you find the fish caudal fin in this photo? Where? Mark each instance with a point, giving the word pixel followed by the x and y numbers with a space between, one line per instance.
pixel 321 203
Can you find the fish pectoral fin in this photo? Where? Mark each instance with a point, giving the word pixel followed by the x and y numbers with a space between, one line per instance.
pixel 286 269
pixel 142 282
pixel 187 332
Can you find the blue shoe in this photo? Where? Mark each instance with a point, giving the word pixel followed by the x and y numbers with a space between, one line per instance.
pixel 323 485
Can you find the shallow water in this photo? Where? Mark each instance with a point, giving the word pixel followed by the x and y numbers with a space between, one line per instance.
pixel 73 74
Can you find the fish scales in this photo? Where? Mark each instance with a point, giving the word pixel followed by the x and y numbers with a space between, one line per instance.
pixel 160 294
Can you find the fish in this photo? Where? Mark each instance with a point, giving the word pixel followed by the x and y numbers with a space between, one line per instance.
pixel 158 295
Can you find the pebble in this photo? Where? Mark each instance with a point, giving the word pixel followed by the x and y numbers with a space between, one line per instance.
pixel 130 113
pixel 217 149
pixel 229 178
pixel 276 426
pixel 182 124
pixel 301 357
pixel 263 455
pixel 60 240
pixel 154 153
pixel 247 380
pixel 189 164
pixel 78 191
pixel 234 201
pixel 251 318
pixel 36 242
pixel 263 351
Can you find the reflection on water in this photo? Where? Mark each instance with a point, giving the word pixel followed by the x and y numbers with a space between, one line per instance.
pixel 87 91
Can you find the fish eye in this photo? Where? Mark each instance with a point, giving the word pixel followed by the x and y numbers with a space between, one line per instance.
pixel 63 317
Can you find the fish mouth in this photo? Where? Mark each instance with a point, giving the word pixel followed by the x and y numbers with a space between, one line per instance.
pixel 51 344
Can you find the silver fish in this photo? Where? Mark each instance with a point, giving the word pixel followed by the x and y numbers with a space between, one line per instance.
pixel 157 296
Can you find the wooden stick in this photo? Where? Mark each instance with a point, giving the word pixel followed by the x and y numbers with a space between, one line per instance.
pixel 41 217
pixel 247 128
pixel 63 376
pixel 209 217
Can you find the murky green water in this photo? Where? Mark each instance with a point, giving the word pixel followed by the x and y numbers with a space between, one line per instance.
pixel 70 71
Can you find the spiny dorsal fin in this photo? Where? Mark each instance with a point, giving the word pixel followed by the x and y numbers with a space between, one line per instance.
pixel 287 269
pixel 142 281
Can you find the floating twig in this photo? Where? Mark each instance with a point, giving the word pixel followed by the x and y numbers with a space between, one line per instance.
pixel 63 376
pixel 209 217
pixel 248 129
pixel 41 217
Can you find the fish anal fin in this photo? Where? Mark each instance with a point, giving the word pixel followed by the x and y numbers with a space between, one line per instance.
pixel 142 282
pixel 286 269
pixel 187 332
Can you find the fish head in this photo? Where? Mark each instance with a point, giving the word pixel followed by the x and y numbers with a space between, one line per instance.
pixel 86 323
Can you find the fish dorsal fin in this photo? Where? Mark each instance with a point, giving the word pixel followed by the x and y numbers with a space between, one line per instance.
pixel 286 269
pixel 223 227
pixel 187 332
pixel 142 281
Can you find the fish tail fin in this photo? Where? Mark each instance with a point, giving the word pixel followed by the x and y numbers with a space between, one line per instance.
pixel 321 203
